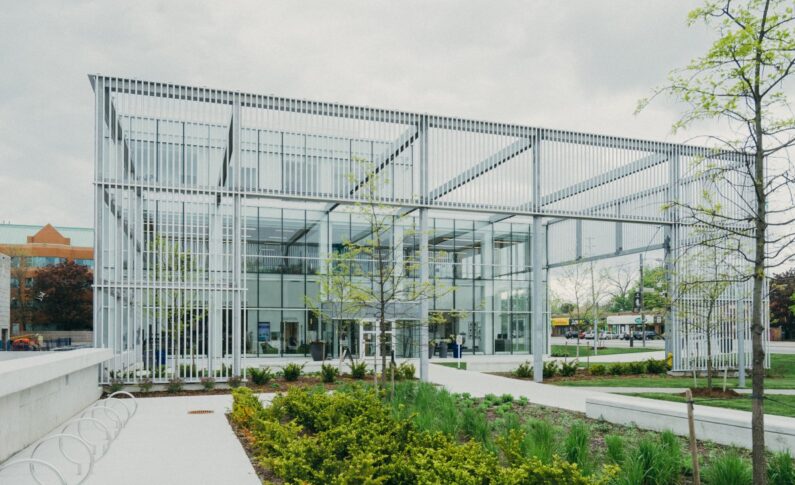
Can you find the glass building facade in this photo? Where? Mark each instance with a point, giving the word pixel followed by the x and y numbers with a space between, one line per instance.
pixel 481 272
pixel 215 211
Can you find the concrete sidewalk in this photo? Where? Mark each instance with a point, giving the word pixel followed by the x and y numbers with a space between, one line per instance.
pixel 162 443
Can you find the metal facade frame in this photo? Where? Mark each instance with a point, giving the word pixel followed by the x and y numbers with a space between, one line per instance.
pixel 198 157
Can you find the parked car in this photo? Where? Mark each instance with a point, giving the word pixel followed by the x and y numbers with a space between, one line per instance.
pixel 608 335
pixel 650 335
pixel 571 334
pixel 589 336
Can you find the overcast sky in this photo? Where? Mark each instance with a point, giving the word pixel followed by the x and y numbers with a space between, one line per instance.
pixel 578 65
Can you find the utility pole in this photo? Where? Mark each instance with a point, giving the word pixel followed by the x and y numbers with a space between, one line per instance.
pixel 594 303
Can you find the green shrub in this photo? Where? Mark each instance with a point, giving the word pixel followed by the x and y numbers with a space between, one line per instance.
pixel 406 370
pixel 728 469
pixel 615 449
pixel 234 381
pixel 568 369
pixel 656 366
pixel 358 369
pixel 174 385
pixel 780 470
pixel 597 369
pixel 550 369
pixel 292 371
pixel 351 436
pixel 116 385
pixel 208 383
pixel 524 371
pixel 575 445
pixel 328 373
pixel 617 369
pixel 260 376
pixel 635 368
pixel 145 384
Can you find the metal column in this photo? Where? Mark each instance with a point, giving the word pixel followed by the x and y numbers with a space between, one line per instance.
pixel 537 299
pixel 237 243
pixel 424 269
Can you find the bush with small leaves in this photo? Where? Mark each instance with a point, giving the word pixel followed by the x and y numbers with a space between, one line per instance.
pixel 328 373
pixel 174 385
pixel 617 369
pixel 208 382
pixel 406 370
pixel 261 376
pixel 358 369
pixel 234 381
pixel 550 369
pixel 145 384
pixel 635 368
pixel 568 369
pixel 524 371
pixel 655 366
pixel 115 385
pixel 292 371
pixel 597 369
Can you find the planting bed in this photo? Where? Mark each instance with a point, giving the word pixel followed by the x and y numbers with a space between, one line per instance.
pixel 427 435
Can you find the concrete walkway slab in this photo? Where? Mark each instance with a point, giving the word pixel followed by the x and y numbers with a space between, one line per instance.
pixel 162 443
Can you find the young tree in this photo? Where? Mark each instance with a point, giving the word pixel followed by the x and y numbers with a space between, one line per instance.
pixel 172 304
pixel 740 81
pixel 64 294
pixel 370 275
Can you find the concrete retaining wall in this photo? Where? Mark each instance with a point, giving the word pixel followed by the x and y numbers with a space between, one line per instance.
pixel 723 426
pixel 42 391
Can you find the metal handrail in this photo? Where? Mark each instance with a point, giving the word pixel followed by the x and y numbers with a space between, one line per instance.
pixel 108 436
pixel 35 461
pixel 79 464
pixel 125 393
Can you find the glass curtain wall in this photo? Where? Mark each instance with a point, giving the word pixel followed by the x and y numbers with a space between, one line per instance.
pixel 481 272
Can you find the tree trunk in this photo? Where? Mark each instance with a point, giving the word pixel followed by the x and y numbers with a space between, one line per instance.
pixel 709 359
pixel 757 328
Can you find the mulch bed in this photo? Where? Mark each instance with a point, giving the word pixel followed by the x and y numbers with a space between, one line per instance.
pixel 712 393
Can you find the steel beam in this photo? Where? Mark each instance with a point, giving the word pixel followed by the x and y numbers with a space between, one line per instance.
pixel 514 149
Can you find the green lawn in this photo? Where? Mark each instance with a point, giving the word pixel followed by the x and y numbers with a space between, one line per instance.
pixel 585 351
pixel 781 405
pixel 451 364
pixel 780 376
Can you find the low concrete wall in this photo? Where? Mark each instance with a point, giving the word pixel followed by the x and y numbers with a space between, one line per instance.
pixel 42 391
pixel 723 426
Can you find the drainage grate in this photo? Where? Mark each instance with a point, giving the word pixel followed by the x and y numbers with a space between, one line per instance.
pixel 201 411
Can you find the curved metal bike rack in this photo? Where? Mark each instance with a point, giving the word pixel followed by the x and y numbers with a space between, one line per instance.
pixel 60 437
pixel 130 396
pixel 107 401
pixel 33 462
pixel 78 421
pixel 116 419
pixel 110 428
